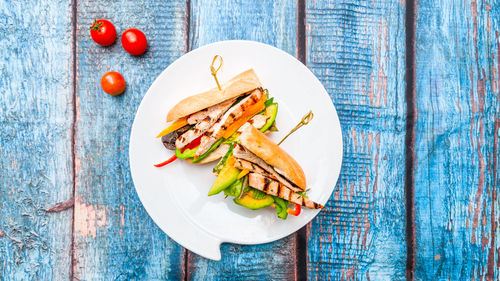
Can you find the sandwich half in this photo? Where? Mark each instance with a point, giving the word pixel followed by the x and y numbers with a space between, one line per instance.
pixel 205 124
pixel 259 174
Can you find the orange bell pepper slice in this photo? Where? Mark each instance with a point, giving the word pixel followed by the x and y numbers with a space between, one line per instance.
pixel 248 114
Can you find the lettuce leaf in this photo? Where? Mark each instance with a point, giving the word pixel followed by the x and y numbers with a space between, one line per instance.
pixel 257 194
pixel 234 189
pixel 281 207
pixel 268 102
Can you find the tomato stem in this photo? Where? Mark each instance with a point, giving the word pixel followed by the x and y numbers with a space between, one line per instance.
pixel 96 25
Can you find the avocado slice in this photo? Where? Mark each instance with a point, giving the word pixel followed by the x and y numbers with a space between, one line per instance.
pixel 188 153
pixel 227 176
pixel 270 111
pixel 248 201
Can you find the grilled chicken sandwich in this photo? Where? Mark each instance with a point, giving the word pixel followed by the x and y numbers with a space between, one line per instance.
pixel 206 124
pixel 259 174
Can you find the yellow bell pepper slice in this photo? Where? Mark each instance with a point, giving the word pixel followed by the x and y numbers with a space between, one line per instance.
pixel 243 173
pixel 179 123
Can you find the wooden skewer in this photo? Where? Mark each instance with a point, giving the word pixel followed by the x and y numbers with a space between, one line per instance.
pixel 214 70
pixel 305 120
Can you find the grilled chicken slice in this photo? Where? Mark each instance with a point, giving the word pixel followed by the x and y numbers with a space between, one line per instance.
pixel 197 116
pixel 235 112
pixel 275 188
pixel 240 152
pixel 204 113
pixel 258 121
pixel 311 204
pixel 206 142
pixel 216 154
pixel 213 113
pixel 264 183
pixel 247 165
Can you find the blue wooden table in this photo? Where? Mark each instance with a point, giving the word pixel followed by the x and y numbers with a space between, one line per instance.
pixel 416 85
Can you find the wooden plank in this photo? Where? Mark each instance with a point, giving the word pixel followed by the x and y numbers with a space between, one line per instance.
pixel 356 48
pixel 456 177
pixel 36 96
pixel 114 238
pixel 273 23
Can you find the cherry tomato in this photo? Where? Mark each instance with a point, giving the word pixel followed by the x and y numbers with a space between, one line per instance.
pixel 134 41
pixel 295 212
pixel 113 83
pixel 103 32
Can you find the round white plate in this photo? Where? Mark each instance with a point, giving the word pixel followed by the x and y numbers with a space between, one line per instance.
pixel 175 196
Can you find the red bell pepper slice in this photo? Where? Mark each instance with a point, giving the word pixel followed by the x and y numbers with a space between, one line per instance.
pixel 295 212
pixel 192 144
pixel 170 160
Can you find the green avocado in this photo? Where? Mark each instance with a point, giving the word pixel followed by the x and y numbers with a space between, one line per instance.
pixel 188 153
pixel 248 201
pixel 227 176
pixel 270 111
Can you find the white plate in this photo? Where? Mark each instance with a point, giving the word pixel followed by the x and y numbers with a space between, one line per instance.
pixel 175 196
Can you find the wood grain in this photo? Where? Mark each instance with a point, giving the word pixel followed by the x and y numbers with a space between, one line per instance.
pixel 456 177
pixel 35 139
pixel 356 48
pixel 270 22
pixel 114 238
pixel 273 23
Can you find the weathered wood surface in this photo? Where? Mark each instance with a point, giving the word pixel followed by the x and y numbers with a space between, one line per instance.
pixel 36 96
pixel 357 49
pixel 114 238
pixel 273 23
pixel 457 132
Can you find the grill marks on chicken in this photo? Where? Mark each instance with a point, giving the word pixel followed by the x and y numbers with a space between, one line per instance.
pixel 240 152
pixel 197 116
pixel 206 142
pixel 272 187
pixel 212 114
pixel 258 121
pixel 247 165
pixel 235 112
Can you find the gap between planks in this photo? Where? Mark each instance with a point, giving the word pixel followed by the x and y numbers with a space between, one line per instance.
pixel 411 116
pixel 301 236
pixel 187 26
pixel 73 134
